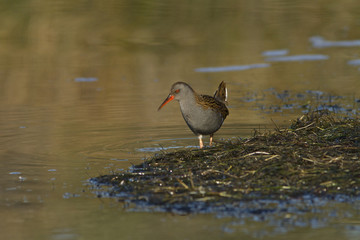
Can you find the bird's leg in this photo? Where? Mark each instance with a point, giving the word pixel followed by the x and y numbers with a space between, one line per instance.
pixel 211 139
pixel 200 141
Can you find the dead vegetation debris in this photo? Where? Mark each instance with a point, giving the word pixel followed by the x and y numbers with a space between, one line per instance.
pixel 318 155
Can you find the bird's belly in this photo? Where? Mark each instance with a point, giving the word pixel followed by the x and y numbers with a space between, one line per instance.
pixel 203 122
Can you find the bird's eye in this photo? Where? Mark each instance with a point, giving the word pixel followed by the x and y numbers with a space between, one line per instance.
pixel 177 90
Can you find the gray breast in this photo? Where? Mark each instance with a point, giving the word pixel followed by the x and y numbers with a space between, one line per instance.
pixel 202 121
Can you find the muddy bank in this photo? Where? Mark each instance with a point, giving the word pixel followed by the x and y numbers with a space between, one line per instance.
pixel 317 156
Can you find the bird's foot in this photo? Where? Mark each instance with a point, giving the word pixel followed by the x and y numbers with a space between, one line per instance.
pixel 211 140
pixel 201 144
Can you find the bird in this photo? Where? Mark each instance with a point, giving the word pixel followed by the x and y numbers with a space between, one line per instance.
pixel 203 114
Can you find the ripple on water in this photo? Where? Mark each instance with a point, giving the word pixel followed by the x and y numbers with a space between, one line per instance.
pixel 232 68
pixel 85 79
pixel 320 42
pixel 273 53
pixel 298 58
pixel 354 62
pixel 156 149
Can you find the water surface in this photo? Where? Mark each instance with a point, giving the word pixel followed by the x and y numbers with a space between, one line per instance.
pixel 80 83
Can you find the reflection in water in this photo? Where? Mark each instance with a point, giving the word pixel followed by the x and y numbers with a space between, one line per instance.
pixel 320 42
pixel 273 53
pixel 157 149
pixel 82 79
pixel 232 68
pixel 80 83
pixel 306 57
pixel 354 62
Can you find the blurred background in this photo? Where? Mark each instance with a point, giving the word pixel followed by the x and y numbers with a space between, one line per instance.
pixel 81 81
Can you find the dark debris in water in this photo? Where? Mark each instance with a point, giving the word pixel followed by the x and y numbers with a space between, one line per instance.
pixel 307 101
pixel 318 155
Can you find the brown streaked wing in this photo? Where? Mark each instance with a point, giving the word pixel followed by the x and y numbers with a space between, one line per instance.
pixel 207 101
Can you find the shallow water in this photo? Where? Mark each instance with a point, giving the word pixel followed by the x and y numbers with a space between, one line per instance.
pixel 81 82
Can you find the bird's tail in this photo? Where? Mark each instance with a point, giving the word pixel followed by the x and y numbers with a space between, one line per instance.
pixel 221 94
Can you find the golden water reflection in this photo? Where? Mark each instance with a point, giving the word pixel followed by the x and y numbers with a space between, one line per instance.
pixel 56 132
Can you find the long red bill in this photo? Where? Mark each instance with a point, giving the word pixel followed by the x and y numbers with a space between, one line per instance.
pixel 168 99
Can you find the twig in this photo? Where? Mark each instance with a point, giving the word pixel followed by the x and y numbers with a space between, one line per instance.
pixel 253 153
pixel 309 160
pixel 269 158
pixel 182 183
pixel 191 179
pixel 276 126
pixel 298 129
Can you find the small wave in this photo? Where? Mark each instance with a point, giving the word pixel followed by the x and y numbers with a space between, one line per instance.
pixel 84 79
pixel 155 149
pixel 273 53
pixel 320 42
pixel 232 68
pixel 354 62
pixel 298 58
